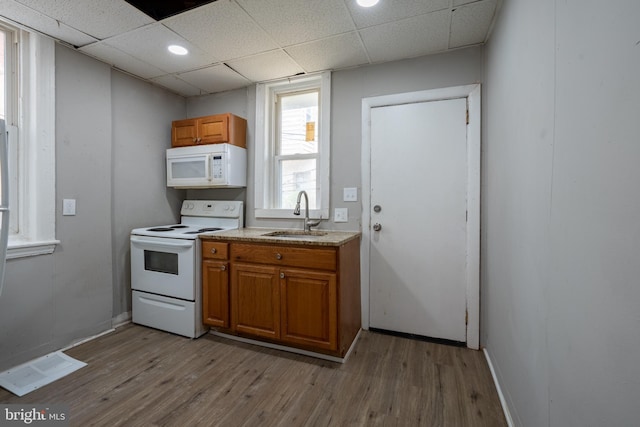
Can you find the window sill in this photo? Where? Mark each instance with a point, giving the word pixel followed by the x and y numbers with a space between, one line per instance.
pixel 22 249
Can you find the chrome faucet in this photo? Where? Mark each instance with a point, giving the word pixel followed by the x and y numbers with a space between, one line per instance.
pixel 307 222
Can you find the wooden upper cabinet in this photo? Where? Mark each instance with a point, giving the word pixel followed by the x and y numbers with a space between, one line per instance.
pixel 215 129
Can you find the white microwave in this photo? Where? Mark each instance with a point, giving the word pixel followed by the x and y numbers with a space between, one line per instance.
pixel 207 166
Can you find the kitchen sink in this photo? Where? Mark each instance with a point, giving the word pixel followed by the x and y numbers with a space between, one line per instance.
pixel 295 234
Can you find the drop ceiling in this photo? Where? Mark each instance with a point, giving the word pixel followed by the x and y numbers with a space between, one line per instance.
pixel 235 43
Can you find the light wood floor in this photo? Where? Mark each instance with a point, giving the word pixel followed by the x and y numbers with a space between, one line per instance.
pixel 138 376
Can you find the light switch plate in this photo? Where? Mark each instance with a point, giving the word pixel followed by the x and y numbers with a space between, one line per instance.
pixel 341 215
pixel 68 207
pixel 350 194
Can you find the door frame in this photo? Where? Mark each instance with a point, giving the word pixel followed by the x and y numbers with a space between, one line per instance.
pixel 472 94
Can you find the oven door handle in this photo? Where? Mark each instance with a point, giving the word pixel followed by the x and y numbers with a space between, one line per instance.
pixel 187 244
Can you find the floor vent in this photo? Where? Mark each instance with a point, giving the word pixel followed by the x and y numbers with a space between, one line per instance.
pixel 37 373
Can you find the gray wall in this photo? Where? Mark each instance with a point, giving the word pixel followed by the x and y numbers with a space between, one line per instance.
pixel 348 87
pixel 104 119
pixel 560 229
pixel 142 116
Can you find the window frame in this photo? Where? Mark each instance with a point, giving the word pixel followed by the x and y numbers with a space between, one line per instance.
pixel 266 126
pixel 31 140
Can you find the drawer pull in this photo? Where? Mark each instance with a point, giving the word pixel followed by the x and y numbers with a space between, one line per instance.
pixel 278 256
pixel 282 275
pixel 223 268
pixel 213 250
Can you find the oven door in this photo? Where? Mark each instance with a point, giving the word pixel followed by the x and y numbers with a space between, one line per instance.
pixel 164 266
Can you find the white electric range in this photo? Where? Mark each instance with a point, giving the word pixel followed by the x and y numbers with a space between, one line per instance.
pixel 165 266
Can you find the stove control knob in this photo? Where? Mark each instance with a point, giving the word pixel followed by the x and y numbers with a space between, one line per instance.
pixel 226 207
pixel 233 208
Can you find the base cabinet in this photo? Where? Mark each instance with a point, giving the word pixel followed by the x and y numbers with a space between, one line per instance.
pixel 296 295
pixel 255 300
pixel 215 293
pixel 215 284
pixel 309 309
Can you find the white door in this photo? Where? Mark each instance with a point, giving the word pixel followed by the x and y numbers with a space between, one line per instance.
pixel 418 215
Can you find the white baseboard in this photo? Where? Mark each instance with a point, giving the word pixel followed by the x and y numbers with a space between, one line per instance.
pixel 121 319
pixel 503 401
pixel 84 340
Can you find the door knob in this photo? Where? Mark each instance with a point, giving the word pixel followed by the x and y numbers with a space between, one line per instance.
pixel 377 227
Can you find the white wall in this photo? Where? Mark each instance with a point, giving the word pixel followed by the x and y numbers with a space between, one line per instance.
pixel 560 208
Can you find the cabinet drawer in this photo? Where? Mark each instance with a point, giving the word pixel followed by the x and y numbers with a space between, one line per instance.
pixel 321 259
pixel 215 250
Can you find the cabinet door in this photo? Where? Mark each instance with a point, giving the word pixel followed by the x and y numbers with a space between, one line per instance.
pixel 184 132
pixel 215 293
pixel 214 129
pixel 309 314
pixel 255 300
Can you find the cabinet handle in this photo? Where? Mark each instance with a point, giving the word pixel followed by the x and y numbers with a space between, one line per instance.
pixel 223 268
pixel 195 139
pixel 278 256
pixel 199 139
pixel 213 250
pixel 282 275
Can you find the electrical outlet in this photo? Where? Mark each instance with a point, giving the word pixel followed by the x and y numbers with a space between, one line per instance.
pixel 340 215
pixel 68 207
pixel 350 194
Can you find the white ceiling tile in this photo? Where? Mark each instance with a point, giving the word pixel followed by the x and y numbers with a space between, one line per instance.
pixel 43 24
pixel 387 11
pixel 121 60
pixel 470 24
pixel 215 79
pixel 176 85
pixel 98 18
pixel 332 53
pixel 294 21
pixel 149 44
pixel 223 29
pixel 408 38
pixel 266 66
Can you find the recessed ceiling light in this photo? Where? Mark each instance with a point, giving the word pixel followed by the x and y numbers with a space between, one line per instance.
pixel 177 50
pixel 367 3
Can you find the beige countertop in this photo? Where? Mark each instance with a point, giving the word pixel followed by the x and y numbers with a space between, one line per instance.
pixel 257 235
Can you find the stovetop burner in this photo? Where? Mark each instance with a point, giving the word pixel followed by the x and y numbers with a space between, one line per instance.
pixel 179 226
pixel 160 229
pixel 204 230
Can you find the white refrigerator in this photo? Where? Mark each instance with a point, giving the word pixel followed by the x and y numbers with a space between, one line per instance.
pixel 4 200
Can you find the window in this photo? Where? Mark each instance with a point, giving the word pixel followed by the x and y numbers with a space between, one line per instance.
pixel 292 145
pixel 28 108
